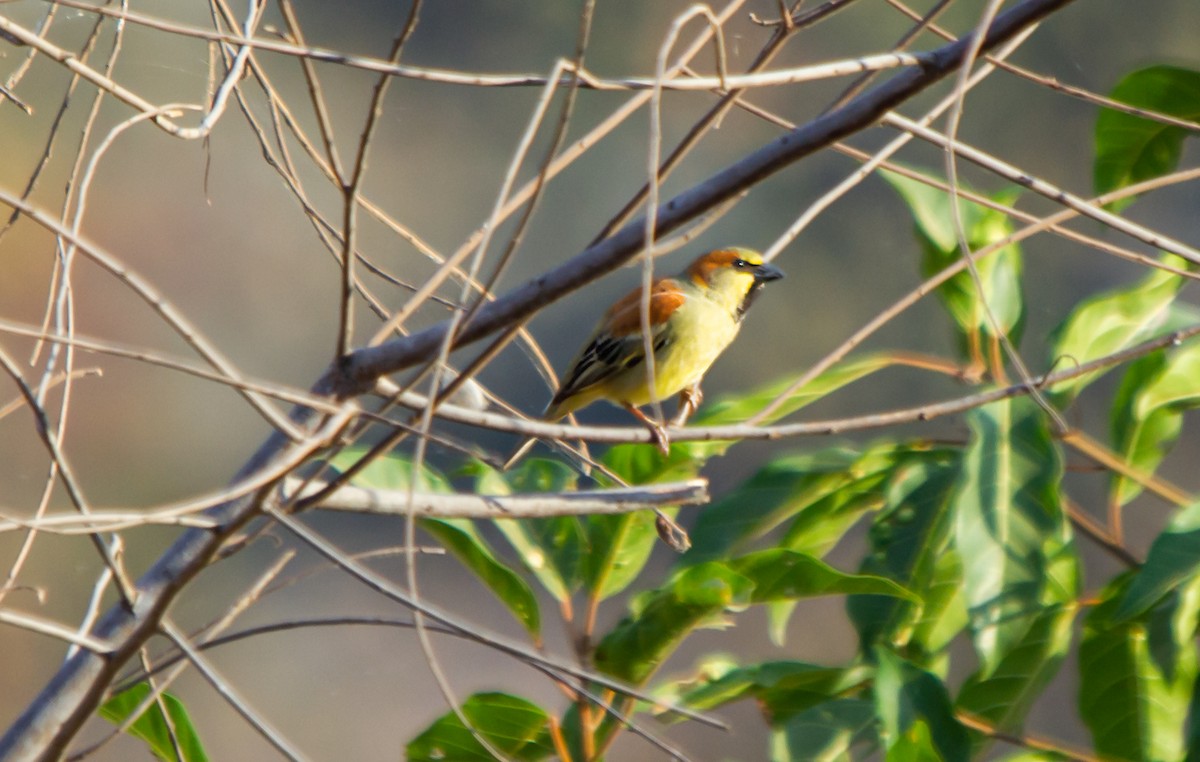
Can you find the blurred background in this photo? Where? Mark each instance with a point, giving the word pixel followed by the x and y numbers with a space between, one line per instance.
pixel 213 228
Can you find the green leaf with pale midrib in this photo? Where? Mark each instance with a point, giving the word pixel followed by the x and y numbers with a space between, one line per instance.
pixel 999 272
pixel 152 728
pixel 460 537
pixel 906 696
pixel 1173 560
pixel 909 544
pixel 1005 696
pixel 514 726
pixel 1130 148
pixel 661 618
pixel 1135 709
pixel 782 574
pixel 824 733
pixel 1010 529
pixel 551 548
pixel 821 494
pixel 1109 322
pixel 1147 412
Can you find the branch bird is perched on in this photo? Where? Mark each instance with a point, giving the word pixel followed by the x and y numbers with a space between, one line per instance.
pixel 693 317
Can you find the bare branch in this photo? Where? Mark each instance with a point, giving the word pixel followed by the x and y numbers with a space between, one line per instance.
pixel 536 505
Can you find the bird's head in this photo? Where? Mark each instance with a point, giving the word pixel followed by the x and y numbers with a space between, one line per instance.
pixel 733 276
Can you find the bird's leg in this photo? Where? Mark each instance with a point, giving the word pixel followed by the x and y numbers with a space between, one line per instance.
pixel 657 432
pixel 689 400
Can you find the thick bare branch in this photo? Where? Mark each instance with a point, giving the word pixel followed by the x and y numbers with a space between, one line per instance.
pixel 538 505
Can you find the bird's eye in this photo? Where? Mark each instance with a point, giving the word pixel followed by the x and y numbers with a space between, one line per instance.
pixel 740 264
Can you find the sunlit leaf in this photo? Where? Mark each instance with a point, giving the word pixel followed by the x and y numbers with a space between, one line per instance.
pixel 515 727
pixel 460 537
pixel 550 548
pixel 620 545
pixel 660 619
pixel 914 708
pixel 392 472
pixel 738 408
pixel 999 272
pixel 618 548
pixel 820 494
pixel 1004 696
pixel 645 464
pixel 1109 322
pixel 1174 560
pixel 1129 148
pixel 910 543
pixel 1010 529
pixel 155 729
pixel 915 745
pixel 783 689
pixel 1147 412
pixel 1137 676
pixel 780 574
pixel 824 733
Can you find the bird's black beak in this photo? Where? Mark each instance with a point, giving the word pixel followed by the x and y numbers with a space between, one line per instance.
pixel 766 272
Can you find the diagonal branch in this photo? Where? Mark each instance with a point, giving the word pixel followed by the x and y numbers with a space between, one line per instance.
pixel 367 364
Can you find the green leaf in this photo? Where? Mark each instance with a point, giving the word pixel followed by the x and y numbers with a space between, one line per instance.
pixel 910 543
pixel 618 548
pixel 460 537
pixel 661 618
pixel 152 727
pixel 1112 321
pixel 737 409
pixel 915 711
pixel 1010 529
pixel 393 472
pixel 824 733
pixel 517 728
pixel 1000 272
pixel 552 549
pixel 784 689
pixel 1174 560
pixel 1147 414
pixel 1004 696
pixel 1137 677
pixel 781 574
pixel 644 464
pixel 822 494
pixel 916 745
pixel 1130 149
pixel 820 526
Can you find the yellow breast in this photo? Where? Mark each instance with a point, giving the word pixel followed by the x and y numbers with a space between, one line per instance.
pixel 701 329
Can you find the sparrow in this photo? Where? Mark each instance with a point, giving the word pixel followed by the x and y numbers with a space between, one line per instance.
pixel 694 316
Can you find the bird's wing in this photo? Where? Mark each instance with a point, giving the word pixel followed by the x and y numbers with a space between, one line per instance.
pixel 617 344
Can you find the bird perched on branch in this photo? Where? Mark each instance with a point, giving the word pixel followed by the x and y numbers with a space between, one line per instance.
pixel 693 317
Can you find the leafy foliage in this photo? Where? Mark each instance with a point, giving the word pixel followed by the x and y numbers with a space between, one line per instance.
pixel 511 725
pixel 1130 148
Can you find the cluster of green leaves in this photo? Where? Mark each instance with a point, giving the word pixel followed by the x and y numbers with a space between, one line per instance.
pixel 965 542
